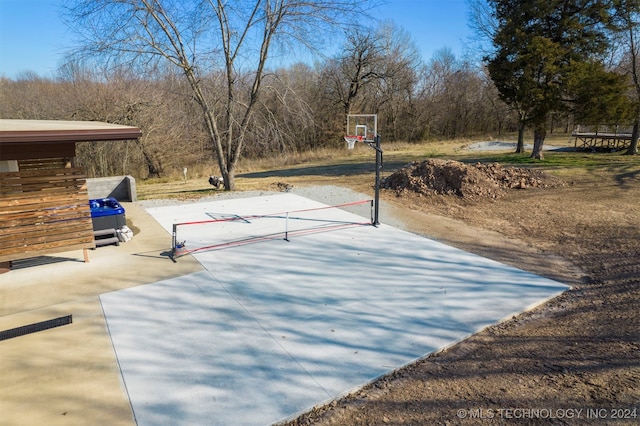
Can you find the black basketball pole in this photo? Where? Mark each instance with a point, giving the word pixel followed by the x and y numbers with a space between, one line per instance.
pixel 376 206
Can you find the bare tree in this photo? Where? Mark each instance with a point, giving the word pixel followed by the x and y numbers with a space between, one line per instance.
pixel 484 23
pixel 359 64
pixel 376 68
pixel 30 96
pixel 394 92
pixel 284 123
pixel 231 40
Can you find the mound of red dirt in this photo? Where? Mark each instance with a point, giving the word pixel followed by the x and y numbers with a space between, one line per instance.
pixel 447 177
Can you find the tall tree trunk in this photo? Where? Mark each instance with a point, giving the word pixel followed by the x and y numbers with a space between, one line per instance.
pixel 538 141
pixel 633 146
pixel 154 169
pixel 520 146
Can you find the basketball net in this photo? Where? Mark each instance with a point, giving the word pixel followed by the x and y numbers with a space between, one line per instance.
pixel 351 140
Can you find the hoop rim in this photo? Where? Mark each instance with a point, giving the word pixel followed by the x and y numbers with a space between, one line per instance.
pixel 352 139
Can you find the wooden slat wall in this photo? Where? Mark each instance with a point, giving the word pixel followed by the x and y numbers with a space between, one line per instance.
pixel 25 151
pixel 43 163
pixel 43 211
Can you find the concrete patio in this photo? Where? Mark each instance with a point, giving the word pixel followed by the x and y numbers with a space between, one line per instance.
pixel 252 334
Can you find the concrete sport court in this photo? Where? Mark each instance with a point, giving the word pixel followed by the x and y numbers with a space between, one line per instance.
pixel 269 329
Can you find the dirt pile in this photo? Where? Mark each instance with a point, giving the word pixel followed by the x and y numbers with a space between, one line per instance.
pixel 448 177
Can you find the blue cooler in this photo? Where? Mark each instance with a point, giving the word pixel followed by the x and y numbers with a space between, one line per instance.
pixel 107 213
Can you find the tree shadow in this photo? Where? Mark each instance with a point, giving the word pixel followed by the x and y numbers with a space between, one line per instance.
pixel 350 169
pixel 629 175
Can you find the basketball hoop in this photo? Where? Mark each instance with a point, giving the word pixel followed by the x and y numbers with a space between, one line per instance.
pixel 351 140
pixel 364 128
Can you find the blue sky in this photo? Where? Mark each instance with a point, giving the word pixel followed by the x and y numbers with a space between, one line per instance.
pixel 33 37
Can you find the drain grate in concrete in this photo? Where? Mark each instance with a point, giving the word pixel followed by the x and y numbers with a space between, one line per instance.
pixel 35 327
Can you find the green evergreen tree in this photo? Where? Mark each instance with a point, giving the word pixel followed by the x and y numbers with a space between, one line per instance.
pixel 541 47
pixel 626 21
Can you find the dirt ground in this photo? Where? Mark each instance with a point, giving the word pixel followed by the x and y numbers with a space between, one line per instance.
pixel 574 360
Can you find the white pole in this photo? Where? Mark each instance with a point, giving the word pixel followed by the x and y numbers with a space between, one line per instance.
pixel 286 228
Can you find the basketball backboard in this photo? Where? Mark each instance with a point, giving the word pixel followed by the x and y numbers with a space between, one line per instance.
pixel 364 126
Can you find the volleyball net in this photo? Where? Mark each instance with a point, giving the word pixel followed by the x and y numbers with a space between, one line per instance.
pixel 226 230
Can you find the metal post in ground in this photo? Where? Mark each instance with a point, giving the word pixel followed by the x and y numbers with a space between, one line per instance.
pixel 286 228
pixel 379 166
pixel 372 212
pixel 173 243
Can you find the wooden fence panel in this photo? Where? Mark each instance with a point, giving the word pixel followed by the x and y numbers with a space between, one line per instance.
pixel 42 212
pixel 44 163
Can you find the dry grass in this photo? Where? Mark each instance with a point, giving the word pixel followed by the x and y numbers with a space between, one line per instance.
pixel 318 167
pixel 354 168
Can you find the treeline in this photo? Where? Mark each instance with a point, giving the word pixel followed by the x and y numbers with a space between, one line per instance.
pixel 302 107
pixel 197 103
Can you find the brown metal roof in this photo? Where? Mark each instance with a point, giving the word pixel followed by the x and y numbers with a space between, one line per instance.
pixel 48 131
